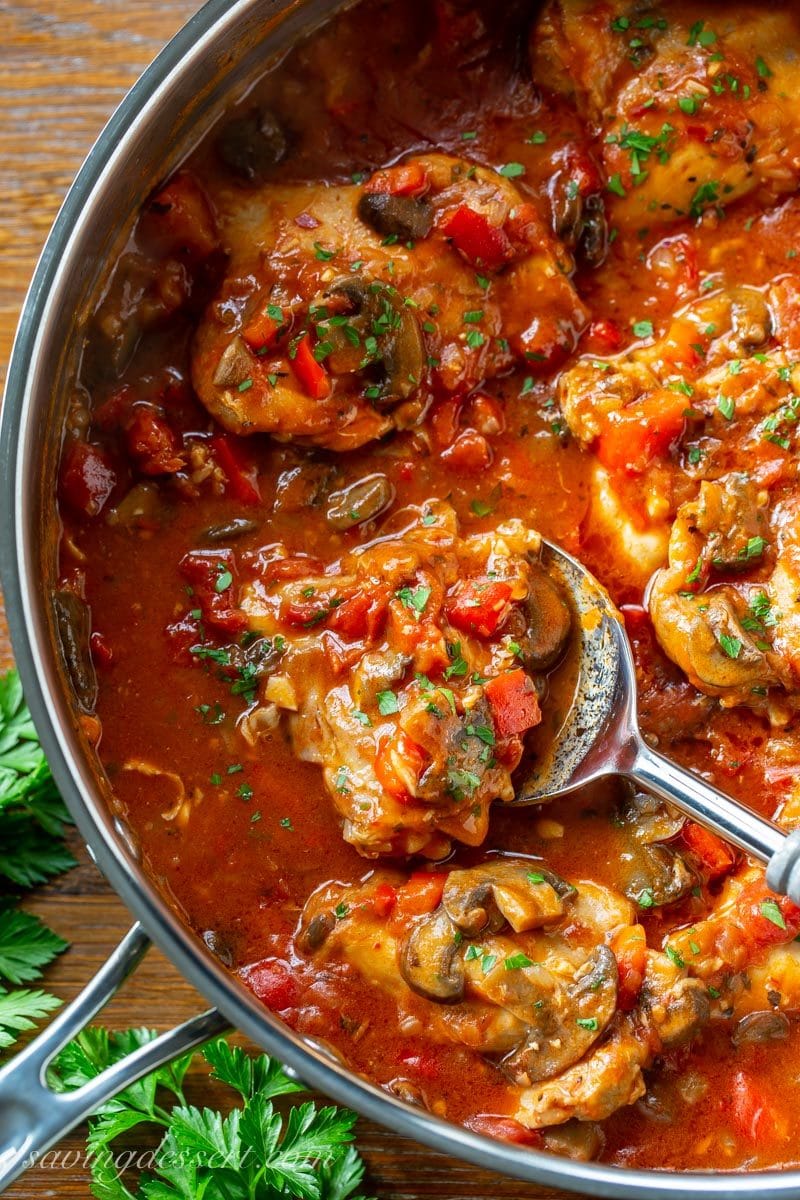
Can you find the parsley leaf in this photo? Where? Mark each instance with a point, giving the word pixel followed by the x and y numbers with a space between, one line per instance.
pixel 253 1151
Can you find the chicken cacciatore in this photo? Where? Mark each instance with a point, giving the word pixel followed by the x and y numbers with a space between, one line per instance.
pixel 453 278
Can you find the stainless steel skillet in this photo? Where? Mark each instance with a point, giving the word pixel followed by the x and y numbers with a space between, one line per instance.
pixel 219 51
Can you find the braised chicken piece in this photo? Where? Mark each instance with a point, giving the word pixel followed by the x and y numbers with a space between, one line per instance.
pixel 411 670
pixel 552 979
pixel 745 949
pixel 721 633
pixel 693 113
pixel 346 307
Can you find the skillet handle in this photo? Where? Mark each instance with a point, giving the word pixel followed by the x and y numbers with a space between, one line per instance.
pixel 32 1117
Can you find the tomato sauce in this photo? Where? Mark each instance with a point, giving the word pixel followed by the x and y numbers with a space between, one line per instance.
pixel 238 836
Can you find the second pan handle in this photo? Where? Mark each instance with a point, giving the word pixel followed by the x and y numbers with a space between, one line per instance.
pixel 32 1116
pixel 762 839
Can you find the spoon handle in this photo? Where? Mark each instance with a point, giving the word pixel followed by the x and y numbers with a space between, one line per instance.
pixel 761 839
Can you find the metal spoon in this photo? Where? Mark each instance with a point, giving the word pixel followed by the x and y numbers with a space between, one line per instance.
pixel 600 736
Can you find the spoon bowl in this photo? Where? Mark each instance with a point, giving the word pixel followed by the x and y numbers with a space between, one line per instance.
pixel 600 736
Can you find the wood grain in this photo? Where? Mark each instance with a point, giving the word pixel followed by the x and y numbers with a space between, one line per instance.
pixel 66 64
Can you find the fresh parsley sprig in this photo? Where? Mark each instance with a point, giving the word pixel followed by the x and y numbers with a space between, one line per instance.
pixel 32 823
pixel 253 1153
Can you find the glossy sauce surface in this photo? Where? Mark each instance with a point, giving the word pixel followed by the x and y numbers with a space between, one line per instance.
pixel 256 833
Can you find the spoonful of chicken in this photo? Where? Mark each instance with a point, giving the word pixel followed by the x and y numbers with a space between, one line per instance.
pixel 600 736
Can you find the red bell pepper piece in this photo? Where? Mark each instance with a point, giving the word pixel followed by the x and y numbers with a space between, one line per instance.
pixel 644 430
pixel 242 483
pixel 514 703
pixel 476 239
pixel 478 606
pixel 406 179
pixel 629 947
pixel 421 894
pixel 311 375
pixel 717 857
pixel 261 331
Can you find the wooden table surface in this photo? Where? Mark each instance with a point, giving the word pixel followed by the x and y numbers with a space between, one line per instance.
pixel 66 65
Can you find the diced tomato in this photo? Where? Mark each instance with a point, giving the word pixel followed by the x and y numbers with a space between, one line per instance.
pixel 698 133
pixel 407 179
pixel 478 606
pixel 505 1129
pixel 421 894
pixel 629 947
pixel 476 239
pixel 717 857
pixel 645 430
pixel 261 331
pixel 179 220
pixel 486 414
pixel 384 899
pixel 102 654
pixel 340 656
pixel 181 636
pixel 212 575
pixel 513 701
pixel 87 477
pixel 390 749
pixel 767 919
pixel 757 1113
pixel 469 452
pixel 311 375
pixel 280 569
pixel 271 981
pixel 362 616
pixel 605 336
pixel 242 479
pixel 443 420
pixel 152 442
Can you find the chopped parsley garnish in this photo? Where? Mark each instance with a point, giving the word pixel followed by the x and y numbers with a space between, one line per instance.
pixel 515 962
pixel 732 646
pixel 587 1023
pixel 674 956
pixel 770 910
pixel 643 329
pixel 512 170
pixel 414 598
pixel 387 703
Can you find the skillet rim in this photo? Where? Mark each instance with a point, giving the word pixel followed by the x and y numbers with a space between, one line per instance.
pixel 35 659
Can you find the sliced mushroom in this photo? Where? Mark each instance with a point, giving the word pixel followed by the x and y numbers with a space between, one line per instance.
pixel 406 217
pixel 378 313
pixel 750 317
pixel 659 876
pixel 582 1141
pixel 765 1026
pixel 230 531
pixel 566 1021
pixel 234 366
pixel 592 246
pixel 431 961
pixel 650 819
pixel 548 623
pixel 73 628
pixel 360 501
pixel 251 146
pixel 676 1012
pixel 522 893
pixel 316 932
pixel 407 1091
